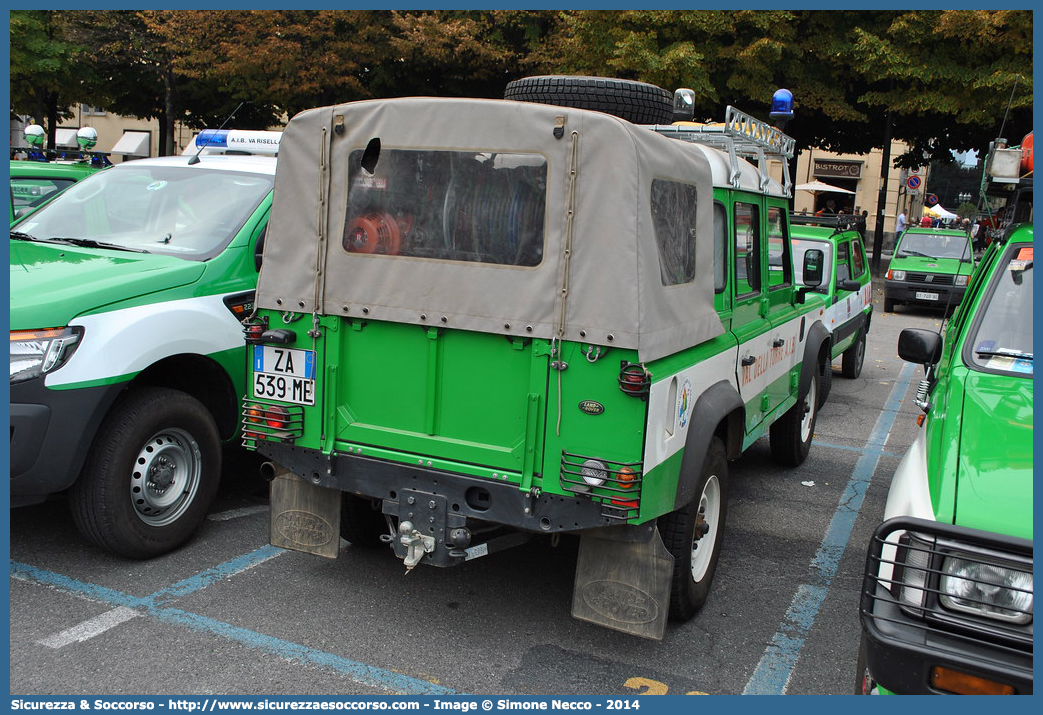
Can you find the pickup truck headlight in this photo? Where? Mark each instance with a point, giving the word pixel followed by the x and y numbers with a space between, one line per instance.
pixel 38 352
pixel 986 590
pixel 962 280
pixel 896 275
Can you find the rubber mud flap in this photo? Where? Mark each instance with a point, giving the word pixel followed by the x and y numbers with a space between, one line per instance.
pixel 624 585
pixel 304 517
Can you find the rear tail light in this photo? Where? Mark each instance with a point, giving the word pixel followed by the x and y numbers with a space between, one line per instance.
pixel 264 420
pixel 634 380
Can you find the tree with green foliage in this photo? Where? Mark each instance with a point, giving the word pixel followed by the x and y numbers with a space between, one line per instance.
pixel 45 79
pixel 940 79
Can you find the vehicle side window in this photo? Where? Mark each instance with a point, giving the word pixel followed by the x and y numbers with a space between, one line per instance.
pixel 478 207
pixel 673 220
pixel 747 249
pixel 858 258
pixel 780 267
pixel 30 192
pixel 843 267
pixel 720 248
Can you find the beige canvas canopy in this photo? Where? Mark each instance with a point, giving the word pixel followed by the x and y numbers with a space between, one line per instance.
pixel 490 215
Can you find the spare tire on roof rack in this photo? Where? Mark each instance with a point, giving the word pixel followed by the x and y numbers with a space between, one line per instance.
pixel 637 102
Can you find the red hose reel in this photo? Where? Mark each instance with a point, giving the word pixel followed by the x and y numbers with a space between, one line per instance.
pixel 374 233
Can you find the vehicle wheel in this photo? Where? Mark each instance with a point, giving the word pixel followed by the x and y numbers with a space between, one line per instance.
pixel 864 683
pixel 825 383
pixel 151 474
pixel 693 535
pixel 853 357
pixel 636 102
pixel 361 521
pixel 790 436
pixel 889 305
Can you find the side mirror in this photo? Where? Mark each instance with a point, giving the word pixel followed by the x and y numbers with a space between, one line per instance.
pixel 813 260
pixel 849 284
pixel 920 346
pixel 259 248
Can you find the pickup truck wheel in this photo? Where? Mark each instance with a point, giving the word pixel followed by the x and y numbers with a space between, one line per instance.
pixel 825 383
pixel 693 535
pixel 360 522
pixel 853 358
pixel 151 474
pixel 636 102
pixel 790 436
pixel 889 305
pixel 864 683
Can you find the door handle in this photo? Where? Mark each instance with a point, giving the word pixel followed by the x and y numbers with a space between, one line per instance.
pixel 778 343
pixel 748 360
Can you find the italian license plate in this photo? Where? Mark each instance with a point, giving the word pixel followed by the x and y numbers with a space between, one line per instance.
pixel 921 295
pixel 284 374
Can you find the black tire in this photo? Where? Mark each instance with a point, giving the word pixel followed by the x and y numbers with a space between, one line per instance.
pixel 695 557
pixel 853 357
pixel 361 521
pixel 636 102
pixel 889 305
pixel 825 382
pixel 864 683
pixel 790 436
pixel 151 474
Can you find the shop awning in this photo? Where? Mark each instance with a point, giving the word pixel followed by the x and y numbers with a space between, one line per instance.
pixel 132 144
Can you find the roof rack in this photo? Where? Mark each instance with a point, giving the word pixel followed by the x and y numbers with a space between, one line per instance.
pixel 741 135
pixel 840 222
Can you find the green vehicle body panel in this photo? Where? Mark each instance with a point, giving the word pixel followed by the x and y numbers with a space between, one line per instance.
pixel 50 280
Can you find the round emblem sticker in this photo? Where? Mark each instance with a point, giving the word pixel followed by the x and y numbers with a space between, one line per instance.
pixel 155 186
pixel 684 403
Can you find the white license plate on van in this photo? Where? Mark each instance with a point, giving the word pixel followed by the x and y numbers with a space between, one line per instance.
pixel 284 374
pixel 920 295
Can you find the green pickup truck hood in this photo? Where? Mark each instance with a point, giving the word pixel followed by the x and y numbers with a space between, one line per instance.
pixel 994 489
pixel 51 283
pixel 930 265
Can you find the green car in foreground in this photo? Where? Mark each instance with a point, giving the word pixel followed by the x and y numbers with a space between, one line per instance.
pixel 930 268
pixel 947 601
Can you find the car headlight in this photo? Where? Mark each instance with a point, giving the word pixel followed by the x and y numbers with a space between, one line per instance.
pixel 986 590
pixel 896 275
pixel 962 280
pixel 38 352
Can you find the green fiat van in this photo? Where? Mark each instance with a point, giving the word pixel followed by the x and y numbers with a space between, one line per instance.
pixel 930 268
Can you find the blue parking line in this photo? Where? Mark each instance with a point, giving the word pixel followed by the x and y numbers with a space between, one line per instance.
pixel 152 606
pixel 771 677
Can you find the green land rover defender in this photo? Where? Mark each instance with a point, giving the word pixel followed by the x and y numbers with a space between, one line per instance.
pixel 483 320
